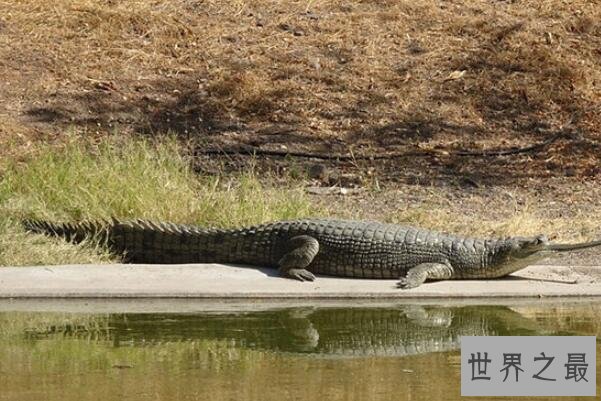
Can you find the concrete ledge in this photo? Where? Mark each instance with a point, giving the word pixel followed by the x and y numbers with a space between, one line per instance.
pixel 218 306
pixel 214 281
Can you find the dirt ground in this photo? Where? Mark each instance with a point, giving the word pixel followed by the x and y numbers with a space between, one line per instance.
pixel 480 107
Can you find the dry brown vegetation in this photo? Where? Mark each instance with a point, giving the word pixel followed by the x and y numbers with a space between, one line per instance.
pixel 365 77
pixel 425 80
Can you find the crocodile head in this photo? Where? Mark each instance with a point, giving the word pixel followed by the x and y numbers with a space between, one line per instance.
pixel 525 247
pixel 515 253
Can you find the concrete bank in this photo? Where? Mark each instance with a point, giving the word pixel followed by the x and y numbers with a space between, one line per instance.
pixel 212 281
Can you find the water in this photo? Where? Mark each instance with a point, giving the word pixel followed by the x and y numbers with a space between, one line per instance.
pixel 257 351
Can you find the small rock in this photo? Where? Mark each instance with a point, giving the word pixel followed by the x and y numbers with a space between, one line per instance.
pixel 318 172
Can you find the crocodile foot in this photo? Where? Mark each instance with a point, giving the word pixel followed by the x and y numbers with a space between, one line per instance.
pixel 300 274
pixel 408 282
pixel 417 275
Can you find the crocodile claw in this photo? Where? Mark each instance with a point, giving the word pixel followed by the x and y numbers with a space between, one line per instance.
pixel 301 274
pixel 405 283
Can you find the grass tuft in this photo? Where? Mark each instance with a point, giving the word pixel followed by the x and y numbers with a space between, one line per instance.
pixel 125 178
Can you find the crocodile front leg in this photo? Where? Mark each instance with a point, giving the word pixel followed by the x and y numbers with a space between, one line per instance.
pixel 425 271
pixel 301 251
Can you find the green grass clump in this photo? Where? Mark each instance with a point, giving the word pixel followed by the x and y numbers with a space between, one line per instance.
pixel 118 178
pixel 125 178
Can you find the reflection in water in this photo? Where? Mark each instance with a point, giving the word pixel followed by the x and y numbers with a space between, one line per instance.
pixel 398 331
pixel 302 353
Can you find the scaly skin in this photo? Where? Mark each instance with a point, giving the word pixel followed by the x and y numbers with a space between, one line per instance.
pixel 344 248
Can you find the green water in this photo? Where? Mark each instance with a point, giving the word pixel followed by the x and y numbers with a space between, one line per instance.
pixel 334 352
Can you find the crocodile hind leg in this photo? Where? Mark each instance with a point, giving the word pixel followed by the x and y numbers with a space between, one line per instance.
pixel 300 253
pixel 425 271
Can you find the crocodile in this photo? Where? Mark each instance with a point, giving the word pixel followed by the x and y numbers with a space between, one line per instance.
pixel 337 332
pixel 301 248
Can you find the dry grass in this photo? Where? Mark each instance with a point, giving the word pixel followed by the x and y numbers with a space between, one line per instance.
pixel 369 76
pixel 484 212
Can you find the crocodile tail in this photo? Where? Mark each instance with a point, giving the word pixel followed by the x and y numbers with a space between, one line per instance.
pixel 572 247
pixel 143 241
pixel 71 231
